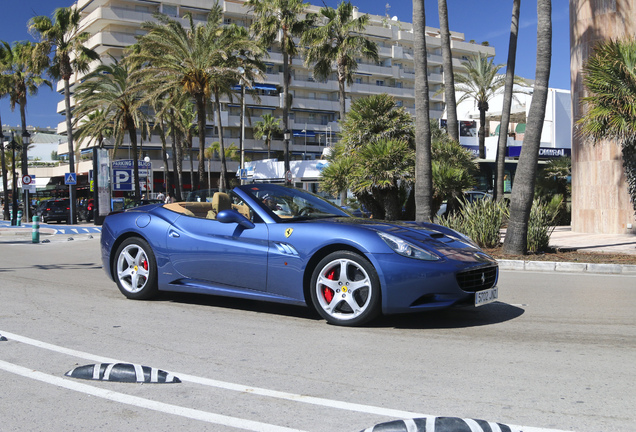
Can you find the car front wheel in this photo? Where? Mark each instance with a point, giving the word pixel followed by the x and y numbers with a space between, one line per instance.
pixel 345 289
pixel 136 269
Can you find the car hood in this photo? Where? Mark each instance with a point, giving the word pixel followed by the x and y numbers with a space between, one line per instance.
pixel 438 238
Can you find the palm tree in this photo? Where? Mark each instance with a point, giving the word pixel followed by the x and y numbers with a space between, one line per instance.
pixel 515 242
pixel 480 82
pixel 453 169
pixel 507 103
pixel 274 18
pixel 91 128
pixel 423 165
pixel 109 88
pixel 334 39
pixel 610 77
pixel 22 70
pixel 197 60
pixel 64 36
pixel 3 166
pixel 452 126
pixel 267 128
pixel 376 150
pixel 383 167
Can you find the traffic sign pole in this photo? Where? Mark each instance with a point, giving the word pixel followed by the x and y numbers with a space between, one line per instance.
pixel 26 181
pixel 71 179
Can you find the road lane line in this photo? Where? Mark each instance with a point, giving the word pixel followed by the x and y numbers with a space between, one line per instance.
pixel 367 409
pixel 145 403
pixel 387 412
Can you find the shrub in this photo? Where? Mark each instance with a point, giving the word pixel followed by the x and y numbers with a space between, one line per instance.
pixel 481 220
pixel 541 223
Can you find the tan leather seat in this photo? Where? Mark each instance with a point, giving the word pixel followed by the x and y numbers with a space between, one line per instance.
pixel 220 201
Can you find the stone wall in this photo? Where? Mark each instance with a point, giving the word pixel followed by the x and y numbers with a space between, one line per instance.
pixel 600 202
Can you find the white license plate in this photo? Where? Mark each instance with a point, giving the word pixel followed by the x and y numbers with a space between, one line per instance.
pixel 486 296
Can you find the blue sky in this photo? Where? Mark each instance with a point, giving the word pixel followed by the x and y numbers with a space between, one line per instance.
pixel 481 20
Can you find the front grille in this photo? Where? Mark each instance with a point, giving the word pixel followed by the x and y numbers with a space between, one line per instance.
pixel 477 279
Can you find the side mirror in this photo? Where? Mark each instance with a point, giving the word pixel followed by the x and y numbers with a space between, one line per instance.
pixel 232 216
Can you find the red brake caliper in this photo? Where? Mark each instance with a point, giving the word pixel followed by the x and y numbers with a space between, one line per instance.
pixel 326 291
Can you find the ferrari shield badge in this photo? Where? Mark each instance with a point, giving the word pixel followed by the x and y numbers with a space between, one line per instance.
pixel 288 232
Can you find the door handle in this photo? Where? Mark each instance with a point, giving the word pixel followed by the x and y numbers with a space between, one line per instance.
pixel 174 234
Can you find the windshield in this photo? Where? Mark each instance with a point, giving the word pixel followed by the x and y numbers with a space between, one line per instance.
pixel 291 203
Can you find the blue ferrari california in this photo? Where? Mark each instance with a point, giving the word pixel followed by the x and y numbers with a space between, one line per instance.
pixel 275 243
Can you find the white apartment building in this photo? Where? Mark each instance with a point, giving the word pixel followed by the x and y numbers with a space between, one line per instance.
pixel 114 25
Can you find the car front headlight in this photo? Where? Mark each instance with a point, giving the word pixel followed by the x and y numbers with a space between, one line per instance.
pixel 404 248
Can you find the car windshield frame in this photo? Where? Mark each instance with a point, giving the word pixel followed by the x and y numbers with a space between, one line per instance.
pixel 290 204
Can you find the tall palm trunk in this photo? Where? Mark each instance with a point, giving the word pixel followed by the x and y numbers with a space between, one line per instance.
pixel 5 209
pixel 25 158
pixel 423 169
pixel 286 79
pixel 516 239
pixel 71 148
pixel 164 156
pixel 452 125
pixel 201 117
pixel 483 109
pixel 190 144
pixel 341 90
pixel 176 160
pixel 222 179
pixel 507 103
pixel 132 133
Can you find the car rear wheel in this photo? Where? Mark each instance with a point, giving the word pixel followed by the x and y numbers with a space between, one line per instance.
pixel 136 269
pixel 345 289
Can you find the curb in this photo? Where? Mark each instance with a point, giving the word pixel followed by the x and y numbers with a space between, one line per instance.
pixel 17 232
pixel 567 267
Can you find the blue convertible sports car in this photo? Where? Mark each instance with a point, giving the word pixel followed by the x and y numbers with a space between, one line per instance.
pixel 276 243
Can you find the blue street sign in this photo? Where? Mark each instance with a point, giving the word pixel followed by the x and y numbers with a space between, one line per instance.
pixel 122 179
pixel 70 178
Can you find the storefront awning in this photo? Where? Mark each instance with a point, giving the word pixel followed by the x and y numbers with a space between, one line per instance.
pixel 301 133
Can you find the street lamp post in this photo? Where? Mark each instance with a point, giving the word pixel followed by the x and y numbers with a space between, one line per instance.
pixel 242 149
pixel 149 177
pixel 305 133
pixel 287 135
pixel 5 210
pixel 13 146
pixel 26 140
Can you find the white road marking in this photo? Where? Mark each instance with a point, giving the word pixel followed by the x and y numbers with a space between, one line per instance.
pixel 367 409
pixel 144 403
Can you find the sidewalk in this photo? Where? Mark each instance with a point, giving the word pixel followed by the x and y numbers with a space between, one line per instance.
pixel 48 232
pixel 563 238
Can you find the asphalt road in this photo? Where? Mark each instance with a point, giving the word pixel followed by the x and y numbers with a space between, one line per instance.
pixel 557 352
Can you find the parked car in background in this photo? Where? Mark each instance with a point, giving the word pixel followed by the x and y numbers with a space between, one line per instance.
pixel 39 209
pixel 57 211
pixel 85 210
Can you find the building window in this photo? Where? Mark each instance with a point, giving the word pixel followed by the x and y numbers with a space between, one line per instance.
pixel 379 83
pixel 358 81
pixel 170 10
